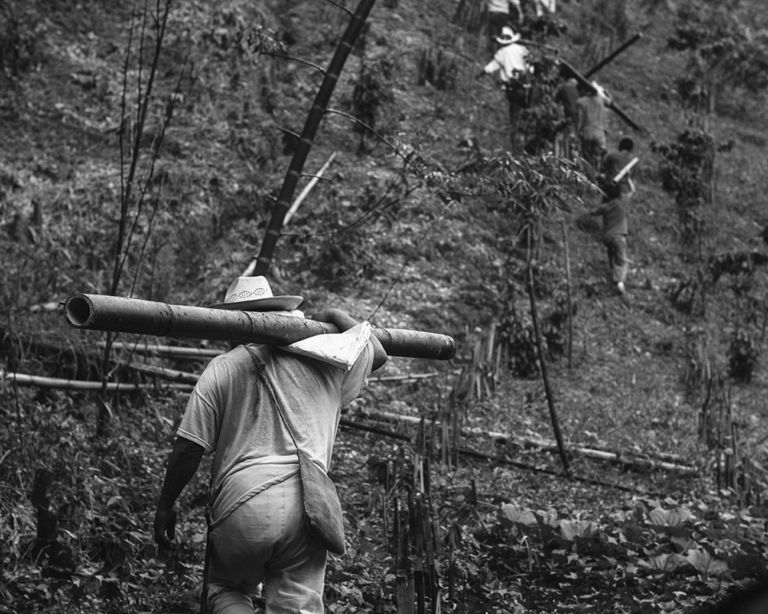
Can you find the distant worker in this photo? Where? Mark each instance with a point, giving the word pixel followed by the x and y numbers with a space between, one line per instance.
pixel 510 64
pixel 566 96
pixel 617 186
pixel 590 126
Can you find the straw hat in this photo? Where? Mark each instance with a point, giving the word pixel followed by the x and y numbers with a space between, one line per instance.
pixel 254 294
pixel 507 36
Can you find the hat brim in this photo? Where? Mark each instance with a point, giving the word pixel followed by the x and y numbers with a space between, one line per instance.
pixel 272 303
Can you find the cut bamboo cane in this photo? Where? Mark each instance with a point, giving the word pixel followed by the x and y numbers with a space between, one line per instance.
pixel 668 462
pixel 174 351
pixel 171 375
pixel 403 378
pixel 129 315
pixel 23 379
pixel 307 189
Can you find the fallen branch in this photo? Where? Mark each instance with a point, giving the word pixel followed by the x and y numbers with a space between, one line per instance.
pixel 628 459
pixel 500 460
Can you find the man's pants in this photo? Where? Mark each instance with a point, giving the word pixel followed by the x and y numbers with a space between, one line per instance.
pixel 266 540
pixel 517 100
pixel 592 150
pixel 617 256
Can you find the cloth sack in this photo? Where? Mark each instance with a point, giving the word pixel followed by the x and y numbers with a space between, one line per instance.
pixel 321 504
pixel 321 500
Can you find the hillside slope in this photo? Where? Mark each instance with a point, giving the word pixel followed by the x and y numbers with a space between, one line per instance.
pixel 384 242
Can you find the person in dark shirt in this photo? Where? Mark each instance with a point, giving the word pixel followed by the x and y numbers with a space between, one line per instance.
pixel 613 210
pixel 612 165
pixel 566 96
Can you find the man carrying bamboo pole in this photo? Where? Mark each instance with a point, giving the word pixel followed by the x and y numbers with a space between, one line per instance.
pixel 259 410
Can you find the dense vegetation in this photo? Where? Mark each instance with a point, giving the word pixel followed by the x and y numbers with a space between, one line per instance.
pixel 144 149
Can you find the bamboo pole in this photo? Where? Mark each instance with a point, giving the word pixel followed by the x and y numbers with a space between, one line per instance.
pixel 667 462
pixel 307 189
pixel 611 56
pixel 568 296
pixel 585 83
pixel 129 315
pixel 173 351
pixel 544 375
pixel 23 379
pixel 171 375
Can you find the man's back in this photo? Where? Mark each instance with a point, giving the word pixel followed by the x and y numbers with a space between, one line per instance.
pixel 509 61
pixel 591 116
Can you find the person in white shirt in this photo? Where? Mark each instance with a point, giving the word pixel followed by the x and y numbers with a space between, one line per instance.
pixel 510 65
pixel 258 531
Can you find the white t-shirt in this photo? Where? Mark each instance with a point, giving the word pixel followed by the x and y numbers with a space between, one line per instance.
pixel 508 60
pixel 231 415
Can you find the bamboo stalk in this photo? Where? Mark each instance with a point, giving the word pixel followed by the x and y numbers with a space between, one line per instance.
pixel 544 376
pixel 402 378
pixel 171 375
pixel 311 125
pixel 174 351
pixel 23 379
pixel 129 315
pixel 307 189
pixel 569 298
pixel 669 462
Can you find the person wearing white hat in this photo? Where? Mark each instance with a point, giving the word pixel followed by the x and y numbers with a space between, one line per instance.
pixel 257 409
pixel 499 15
pixel 510 65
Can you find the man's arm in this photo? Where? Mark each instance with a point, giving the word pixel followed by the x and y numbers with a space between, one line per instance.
pixel 343 321
pixel 182 465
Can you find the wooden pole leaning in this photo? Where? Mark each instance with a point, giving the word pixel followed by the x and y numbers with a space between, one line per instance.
pixel 130 315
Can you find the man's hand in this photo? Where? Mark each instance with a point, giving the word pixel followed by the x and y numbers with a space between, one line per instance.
pixel 165 526
pixel 343 321
pixel 339 318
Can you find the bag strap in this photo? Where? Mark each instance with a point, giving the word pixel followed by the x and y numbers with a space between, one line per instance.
pixel 261 371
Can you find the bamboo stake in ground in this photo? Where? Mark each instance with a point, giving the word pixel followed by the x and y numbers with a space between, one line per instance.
pixel 544 376
pixel 569 300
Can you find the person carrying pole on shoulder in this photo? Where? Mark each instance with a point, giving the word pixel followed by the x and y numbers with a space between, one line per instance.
pixel 261 411
pixel 590 126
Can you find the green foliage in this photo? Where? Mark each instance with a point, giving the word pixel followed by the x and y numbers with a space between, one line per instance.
pixel 22 39
pixel 724 50
pixel 686 170
pixel 372 100
pixel 437 68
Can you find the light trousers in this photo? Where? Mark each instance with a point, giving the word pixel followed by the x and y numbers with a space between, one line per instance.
pixel 266 541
